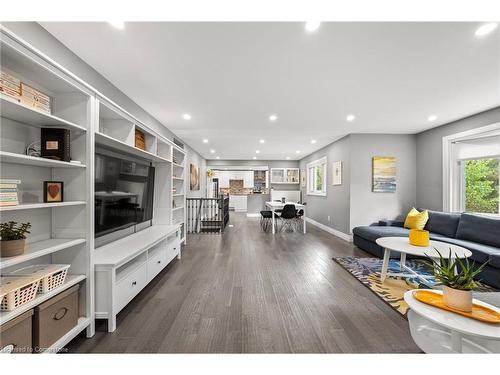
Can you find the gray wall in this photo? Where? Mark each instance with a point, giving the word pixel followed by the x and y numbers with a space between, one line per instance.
pixel 366 206
pixel 269 163
pixel 430 156
pixel 336 204
pixel 41 39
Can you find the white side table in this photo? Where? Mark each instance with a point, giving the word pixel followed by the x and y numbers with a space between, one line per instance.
pixel 439 331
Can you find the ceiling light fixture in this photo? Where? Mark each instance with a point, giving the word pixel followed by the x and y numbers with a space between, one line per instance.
pixel 117 24
pixel 288 158
pixel 350 118
pixel 312 26
pixel 217 157
pixel 297 152
pixel 257 151
pixel 262 141
pixel 432 118
pixel 212 151
pixel 273 118
pixel 186 116
pixel 205 140
pixel 313 141
pixel 255 157
pixel 486 29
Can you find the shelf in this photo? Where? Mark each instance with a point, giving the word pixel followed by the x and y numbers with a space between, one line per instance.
pixel 71 280
pixel 10 157
pixel 106 140
pixel 32 206
pixel 177 195
pixel 39 249
pixel 178 178
pixel 177 165
pixel 68 336
pixel 17 111
pixel 177 208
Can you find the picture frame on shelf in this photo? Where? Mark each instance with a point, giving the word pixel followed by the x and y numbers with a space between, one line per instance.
pixel 53 191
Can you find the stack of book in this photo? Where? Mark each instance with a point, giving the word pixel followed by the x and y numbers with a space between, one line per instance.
pixel 34 98
pixel 10 85
pixel 8 192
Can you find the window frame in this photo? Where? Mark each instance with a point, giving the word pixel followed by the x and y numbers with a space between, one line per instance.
pixel 322 162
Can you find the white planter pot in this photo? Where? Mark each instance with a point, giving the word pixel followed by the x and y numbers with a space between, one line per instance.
pixel 457 299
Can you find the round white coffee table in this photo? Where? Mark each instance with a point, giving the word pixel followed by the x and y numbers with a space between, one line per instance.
pixel 403 246
pixel 439 331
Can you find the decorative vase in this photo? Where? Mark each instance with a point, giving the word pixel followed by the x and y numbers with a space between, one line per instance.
pixel 419 237
pixel 457 299
pixel 12 248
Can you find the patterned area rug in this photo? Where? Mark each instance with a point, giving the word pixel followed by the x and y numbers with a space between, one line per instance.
pixel 367 271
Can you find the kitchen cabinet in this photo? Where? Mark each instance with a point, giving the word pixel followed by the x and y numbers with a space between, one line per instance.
pixel 238 203
pixel 285 176
pixel 225 176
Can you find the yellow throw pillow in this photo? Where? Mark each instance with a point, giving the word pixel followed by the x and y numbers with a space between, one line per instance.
pixel 415 219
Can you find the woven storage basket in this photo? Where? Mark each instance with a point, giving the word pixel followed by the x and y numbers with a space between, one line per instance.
pixel 51 275
pixel 16 291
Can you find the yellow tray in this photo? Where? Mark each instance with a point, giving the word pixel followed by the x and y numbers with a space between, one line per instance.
pixel 481 313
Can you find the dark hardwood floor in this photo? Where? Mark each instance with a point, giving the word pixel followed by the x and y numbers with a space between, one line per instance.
pixel 251 292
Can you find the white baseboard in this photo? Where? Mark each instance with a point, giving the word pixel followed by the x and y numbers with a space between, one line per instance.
pixel 335 232
pixel 253 215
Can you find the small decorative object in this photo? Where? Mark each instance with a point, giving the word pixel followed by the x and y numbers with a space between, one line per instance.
pixel 283 199
pixel 419 237
pixel 13 238
pixel 210 173
pixel 384 174
pixel 140 139
pixel 53 191
pixel 55 144
pixel 457 278
pixel 337 173
pixel 194 177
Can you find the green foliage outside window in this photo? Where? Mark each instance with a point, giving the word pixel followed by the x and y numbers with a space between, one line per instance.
pixel 319 178
pixel 481 186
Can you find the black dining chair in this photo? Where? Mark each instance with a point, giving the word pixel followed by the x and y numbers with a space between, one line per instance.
pixel 266 217
pixel 300 215
pixel 288 215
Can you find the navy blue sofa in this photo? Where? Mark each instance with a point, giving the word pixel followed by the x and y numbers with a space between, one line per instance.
pixel 479 234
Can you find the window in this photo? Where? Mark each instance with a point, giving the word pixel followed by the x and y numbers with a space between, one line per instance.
pixel 480 181
pixel 316 177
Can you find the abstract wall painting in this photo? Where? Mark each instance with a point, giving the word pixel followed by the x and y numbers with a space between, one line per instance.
pixel 384 174
pixel 194 179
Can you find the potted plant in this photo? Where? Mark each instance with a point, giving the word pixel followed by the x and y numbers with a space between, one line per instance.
pixel 12 238
pixel 457 278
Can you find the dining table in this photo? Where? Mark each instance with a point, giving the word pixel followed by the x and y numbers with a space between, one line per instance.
pixel 278 205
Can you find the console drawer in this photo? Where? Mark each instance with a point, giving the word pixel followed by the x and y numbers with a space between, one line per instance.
pixel 15 335
pixel 157 260
pixel 173 249
pixel 129 286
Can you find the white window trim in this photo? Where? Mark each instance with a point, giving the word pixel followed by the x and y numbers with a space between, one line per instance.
pixel 452 189
pixel 315 163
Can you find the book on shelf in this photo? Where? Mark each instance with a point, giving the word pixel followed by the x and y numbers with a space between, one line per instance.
pixel 32 97
pixel 8 192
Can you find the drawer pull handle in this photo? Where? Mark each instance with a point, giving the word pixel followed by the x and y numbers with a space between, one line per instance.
pixel 58 315
pixel 9 348
pixel 134 282
pixel 159 262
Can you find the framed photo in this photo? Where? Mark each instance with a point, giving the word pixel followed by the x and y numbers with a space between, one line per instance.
pixel 337 173
pixel 53 191
pixel 384 174
pixel 303 178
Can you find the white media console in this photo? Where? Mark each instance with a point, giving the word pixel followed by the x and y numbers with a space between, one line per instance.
pixel 124 267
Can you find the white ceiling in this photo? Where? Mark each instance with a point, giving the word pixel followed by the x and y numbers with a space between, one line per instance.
pixel 231 76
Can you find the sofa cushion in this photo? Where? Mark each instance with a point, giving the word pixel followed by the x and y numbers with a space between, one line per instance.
pixel 372 233
pixel 495 260
pixel 416 219
pixel 480 229
pixel 443 223
pixel 480 253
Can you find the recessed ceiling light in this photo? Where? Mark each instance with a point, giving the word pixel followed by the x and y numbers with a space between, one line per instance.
pixel 297 152
pixel 273 118
pixel 257 151
pixel 117 24
pixel 255 157
pixel 288 158
pixel 486 29
pixel 186 116
pixel 205 140
pixel 262 141
pixel 313 141
pixel 212 151
pixel 312 26
pixel 432 118
pixel 350 118
pixel 217 157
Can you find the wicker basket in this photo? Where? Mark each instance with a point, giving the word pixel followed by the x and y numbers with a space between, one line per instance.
pixel 16 291
pixel 51 275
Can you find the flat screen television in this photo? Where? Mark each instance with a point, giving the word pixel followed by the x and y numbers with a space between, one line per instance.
pixel 124 189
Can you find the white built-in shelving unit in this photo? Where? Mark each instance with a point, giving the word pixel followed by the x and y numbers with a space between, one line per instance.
pixel 285 176
pixel 61 232
pixel 64 232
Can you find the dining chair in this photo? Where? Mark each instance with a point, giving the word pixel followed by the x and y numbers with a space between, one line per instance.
pixel 288 215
